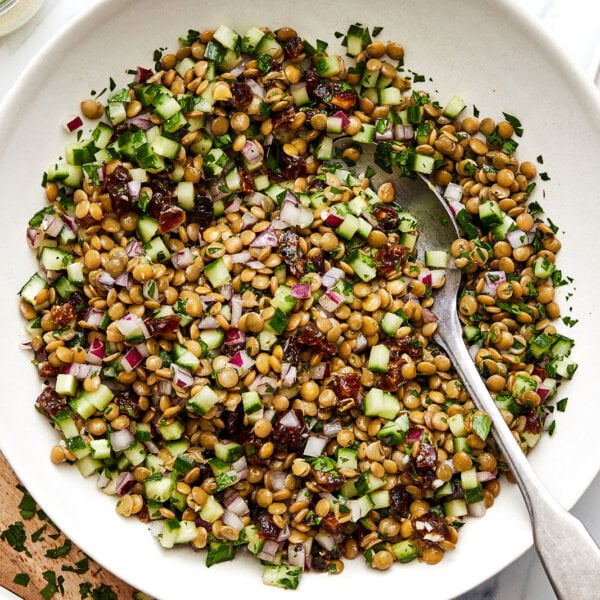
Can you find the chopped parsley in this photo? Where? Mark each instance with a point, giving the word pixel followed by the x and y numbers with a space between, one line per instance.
pixel 21 579
pixel 515 123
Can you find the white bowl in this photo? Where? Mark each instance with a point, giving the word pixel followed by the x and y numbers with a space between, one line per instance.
pixel 487 52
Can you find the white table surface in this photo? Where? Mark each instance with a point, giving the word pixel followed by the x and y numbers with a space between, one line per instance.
pixel 575 25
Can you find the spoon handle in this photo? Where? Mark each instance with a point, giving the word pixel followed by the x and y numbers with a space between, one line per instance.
pixel 568 553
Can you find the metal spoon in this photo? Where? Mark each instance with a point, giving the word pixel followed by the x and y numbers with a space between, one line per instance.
pixel 567 552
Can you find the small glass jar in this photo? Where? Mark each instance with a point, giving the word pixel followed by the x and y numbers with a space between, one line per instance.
pixel 15 13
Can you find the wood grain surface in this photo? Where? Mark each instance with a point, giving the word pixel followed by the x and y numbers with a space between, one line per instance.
pixel 38 561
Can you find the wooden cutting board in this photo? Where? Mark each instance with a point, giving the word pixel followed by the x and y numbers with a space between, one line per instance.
pixel 36 558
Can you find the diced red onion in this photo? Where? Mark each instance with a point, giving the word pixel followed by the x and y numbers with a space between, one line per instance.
pixel 414 434
pixel 428 316
pixel 124 279
pixel 232 520
pixel 331 428
pixel 453 192
pixel 257 89
pixel 235 503
pixel 240 466
pixel 517 238
pixel 219 190
pixel 129 323
pixel 248 220
pixel 242 362
pixel 289 420
pixel 133 357
pixel 70 222
pixel 240 67
pixel 241 258
pixel 315 445
pixel 226 291
pixel 294 213
pixel 141 74
pixel 491 281
pixel 35 237
pixel 121 440
pixel 105 280
pixel 331 218
pixel 278 224
pixel 278 480
pixel 403 133
pixel 94 317
pixel 437 277
pixel 134 248
pixel 340 114
pixel 546 389
pixel 300 290
pixel 234 336
pixel 455 207
pixel 284 534
pixel 164 387
pixel 268 551
pixel 251 153
pixel 263 384
pixel 52 225
pixel 125 481
pixel 80 370
pixel 265 239
pixel 151 447
pixel 72 123
pixel 320 371
pixel 134 188
pixel 236 309
pixel 255 264
pixel 182 378
pixel 208 323
pixel 296 555
pixel 331 277
pixel 361 342
pixel 386 135
pixel 425 276
pixel 473 350
pixel 477 509
pixel 182 258
pixel 255 199
pixel 96 351
pixel 483 476
pixel 330 300
pixel 234 205
pixel 289 374
pixel 326 540
pixel 102 480
pixel 143 122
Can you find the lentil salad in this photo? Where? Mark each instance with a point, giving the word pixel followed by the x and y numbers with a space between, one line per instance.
pixel 392 485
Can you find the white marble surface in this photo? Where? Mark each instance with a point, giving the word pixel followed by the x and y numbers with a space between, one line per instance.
pixel 575 25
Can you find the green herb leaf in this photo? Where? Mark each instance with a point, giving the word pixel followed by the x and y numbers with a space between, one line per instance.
pixel 21 579
pixel 60 551
pixel 480 424
pixel 27 506
pixel 515 123
pixel 15 536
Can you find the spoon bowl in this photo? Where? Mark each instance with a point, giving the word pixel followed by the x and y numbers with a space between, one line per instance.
pixel 568 553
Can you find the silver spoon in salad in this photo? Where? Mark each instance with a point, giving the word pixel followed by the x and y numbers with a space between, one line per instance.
pixel 566 550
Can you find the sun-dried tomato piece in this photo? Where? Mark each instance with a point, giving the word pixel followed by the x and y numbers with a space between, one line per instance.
pixel 294 47
pixel 128 403
pixel 400 501
pixel 330 523
pixel 241 95
pixel 247 180
pixel 426 457
pixel 313 338
pixel 51 402
pixel 390 258
pixel 283 119
pixel 387 217
pixel 533 419
pixel 292 167
pixel 291 349
pixel 290 430
pixel 171 216
pixel 289 248
pixel 62 314
pixel 347 385
pixel 267 529
pixel 161 197
pixel 430 529
pixel 203 212
pixel 161 325
pixel 118 189
pixel 343 96
pixel 328 481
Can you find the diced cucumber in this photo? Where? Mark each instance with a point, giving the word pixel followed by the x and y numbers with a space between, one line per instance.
pixel 423 163
pixel 116 112
pixel 366 134
pixel 379 358
pixel 490 212
pixel 390 96
pixel 251 402
pixel 268 45
pixel 66 384
pixel 355 40
pixel 348 227
pixel 378 403
pixel 55 259
pixel 391 323
pixel 347 458
pixel 561 346
pixel 542 267
pixel 562 366
pixel 456 423
pixel 156 250
pixel 227 37
pixel 30 291
pixel 363 266
pixel 100 449
pixel 251 40
pixel 147 227
pixel 212 510
pixel 437 259
pixel 166 147
pixel 228 451
pixel 66 424
pixel 283 300
pixel 158 488
pixel 454 107
pixel 404 551
pixel 470 484
pixel 283 576
pixel 278 322
pixel 455 508
pixel 254 540
pixel 203 401
pixel 327 66
pixel 394 432
pixel 102 135
pixel 186 195
pixel 217 273
pixel 171 431
pixel 213 338
pixel 87 466
pixel 325 148
pixel 136 453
